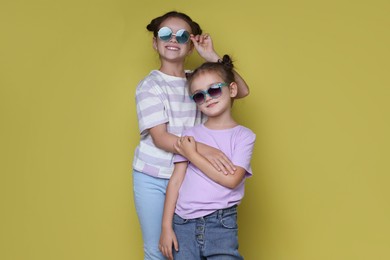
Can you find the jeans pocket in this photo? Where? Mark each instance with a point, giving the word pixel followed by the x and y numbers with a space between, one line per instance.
pixel 229 220
pixel 177 220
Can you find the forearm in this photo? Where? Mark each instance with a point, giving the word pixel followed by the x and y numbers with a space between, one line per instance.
pixel 162 138
pixel 170 205
pixel 243 89
pixel 173 193
pixel 166 142
pixel 229 181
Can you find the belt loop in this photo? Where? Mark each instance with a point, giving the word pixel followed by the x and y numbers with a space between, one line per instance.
pixel 220 213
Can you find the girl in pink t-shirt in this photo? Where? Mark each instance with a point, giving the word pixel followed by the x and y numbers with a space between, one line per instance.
pixel 200 213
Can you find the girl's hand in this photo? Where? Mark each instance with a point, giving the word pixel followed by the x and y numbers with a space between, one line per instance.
pixel 204 46
pixel 219 160
pixel 167 240
pixel 186 146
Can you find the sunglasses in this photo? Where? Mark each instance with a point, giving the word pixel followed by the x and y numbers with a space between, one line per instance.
pixel 214 91
pixel 165 34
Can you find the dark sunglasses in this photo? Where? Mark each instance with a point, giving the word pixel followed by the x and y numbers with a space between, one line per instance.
pixel 165 34
pixel 213 91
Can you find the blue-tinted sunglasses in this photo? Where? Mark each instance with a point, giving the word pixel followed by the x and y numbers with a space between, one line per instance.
pixel 214 91
pixel 165 34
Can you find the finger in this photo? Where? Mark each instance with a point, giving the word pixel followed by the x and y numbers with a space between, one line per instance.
pixel 195 40
pixel 169 253
pixel 201 39
pixel 175 244
pixel 166 252
pixel 197 37
pixel 216 165
pixel 228 165
pixel 183 140
pixel 224 166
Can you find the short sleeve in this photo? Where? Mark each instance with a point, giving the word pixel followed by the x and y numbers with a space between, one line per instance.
pixel 151 110
pixel 243 150
pixel 178 158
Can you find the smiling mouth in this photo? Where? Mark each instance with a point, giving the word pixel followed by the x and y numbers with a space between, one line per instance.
pixel 212 104
pixel 171 48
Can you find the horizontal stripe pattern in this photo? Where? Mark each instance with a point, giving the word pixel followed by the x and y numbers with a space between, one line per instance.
pixel 160 99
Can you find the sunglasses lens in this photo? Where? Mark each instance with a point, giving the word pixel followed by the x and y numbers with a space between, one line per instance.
pixel 214 91
pixel 182 36
pixel 165 34
pixel 198 98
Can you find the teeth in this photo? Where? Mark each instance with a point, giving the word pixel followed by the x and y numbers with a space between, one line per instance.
pixel 173 48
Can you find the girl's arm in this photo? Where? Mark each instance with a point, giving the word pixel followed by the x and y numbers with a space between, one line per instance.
pixel 204 46
pixel 162 138
pixel 168 237
pixel 167 141
pixel 188 144
pixel 243 89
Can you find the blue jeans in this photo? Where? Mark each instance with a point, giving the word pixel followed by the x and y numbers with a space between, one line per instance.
pixel 214 236
pixel 149 196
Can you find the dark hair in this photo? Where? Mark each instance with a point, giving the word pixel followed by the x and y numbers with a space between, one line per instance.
pixel 224 68
pixel 154 25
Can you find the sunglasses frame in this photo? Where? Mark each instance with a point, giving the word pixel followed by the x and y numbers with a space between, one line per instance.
pixel 218 85
pixel 181 32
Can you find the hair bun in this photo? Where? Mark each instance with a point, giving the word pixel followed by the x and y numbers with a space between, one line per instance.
pixel 226 61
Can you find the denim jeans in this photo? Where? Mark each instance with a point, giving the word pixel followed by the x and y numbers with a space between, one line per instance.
pixel 149 196
pixel 214 236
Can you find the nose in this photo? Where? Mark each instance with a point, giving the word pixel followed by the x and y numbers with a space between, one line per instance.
pixel 207 97
pixel 173 38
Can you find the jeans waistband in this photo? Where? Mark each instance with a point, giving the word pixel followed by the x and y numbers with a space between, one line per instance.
pixel 221 212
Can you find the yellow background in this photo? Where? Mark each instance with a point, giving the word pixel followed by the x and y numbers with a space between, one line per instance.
pixel 319 78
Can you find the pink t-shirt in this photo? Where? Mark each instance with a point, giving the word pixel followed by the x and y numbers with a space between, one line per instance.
pixel 198 194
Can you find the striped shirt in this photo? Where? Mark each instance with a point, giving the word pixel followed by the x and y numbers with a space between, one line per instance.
pixel 161 99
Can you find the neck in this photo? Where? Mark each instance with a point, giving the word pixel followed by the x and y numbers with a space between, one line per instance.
pixel 221 122
pixel 173 68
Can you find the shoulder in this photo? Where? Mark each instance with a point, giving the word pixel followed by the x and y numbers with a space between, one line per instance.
pixel 151 80
pixel 245 132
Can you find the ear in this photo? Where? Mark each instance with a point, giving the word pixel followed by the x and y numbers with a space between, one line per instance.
pixel 154 43
pixel 233 88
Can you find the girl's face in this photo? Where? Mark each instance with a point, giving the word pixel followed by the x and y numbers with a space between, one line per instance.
pixel 213 106
pixel 172 50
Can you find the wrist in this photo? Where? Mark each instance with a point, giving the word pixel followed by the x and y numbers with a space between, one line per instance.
pixel 213 58
pixel 194 157
pixel 166 225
